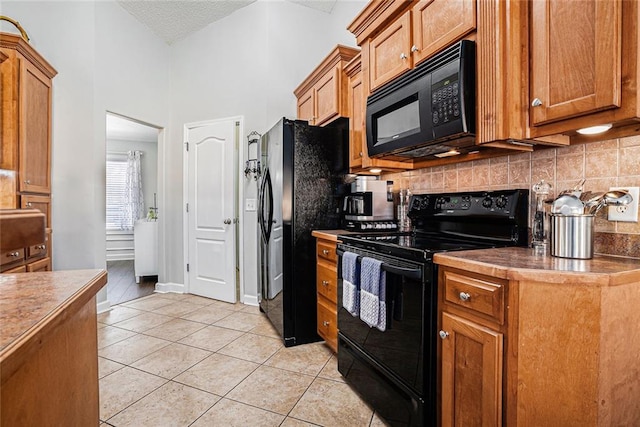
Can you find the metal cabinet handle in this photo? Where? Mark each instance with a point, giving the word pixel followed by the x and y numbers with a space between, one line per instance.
pixel 361 154
pixel 325 283
pixel 443 334
pixel 27 181
pixel 414 48
pixel 403 55
pixel 325 323
pixel 40 247
pixel 13 254
pixel 227 221
pixel 325 252
pixel 536 102
pixel 465 296
pixel 29 204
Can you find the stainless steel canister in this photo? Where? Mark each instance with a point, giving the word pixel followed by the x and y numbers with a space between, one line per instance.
pixel 572 236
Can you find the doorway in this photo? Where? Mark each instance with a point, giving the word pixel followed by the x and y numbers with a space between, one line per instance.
pixel 132 215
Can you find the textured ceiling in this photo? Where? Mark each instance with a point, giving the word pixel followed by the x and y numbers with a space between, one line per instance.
pixel 173 20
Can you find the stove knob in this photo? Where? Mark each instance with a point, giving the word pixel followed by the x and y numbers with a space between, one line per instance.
pixel 487 202
pixel 501 202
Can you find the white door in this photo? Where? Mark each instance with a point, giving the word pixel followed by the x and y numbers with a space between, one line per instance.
pixel 211 211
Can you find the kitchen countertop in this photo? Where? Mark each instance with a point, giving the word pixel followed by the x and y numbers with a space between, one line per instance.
pixel 29 302
pixel 332 234
pixel 524 264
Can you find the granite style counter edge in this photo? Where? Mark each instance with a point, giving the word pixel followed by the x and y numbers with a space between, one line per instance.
pixel 517 263
pixel 332 235
pixel 31 303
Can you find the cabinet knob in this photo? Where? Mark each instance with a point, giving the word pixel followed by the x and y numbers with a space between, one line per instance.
pixel 536 102
pixel 403 55
pixel 414 48
pixel 29 204
pixel 325 283
pixel 465 296
pixel 443 334
pixel 361 154
pixel 325 252
pixel 325 323
pixel 27 181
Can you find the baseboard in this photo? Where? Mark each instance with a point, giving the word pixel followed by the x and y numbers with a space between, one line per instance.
pixel 177 288
pixel 103 307
pixel 250 300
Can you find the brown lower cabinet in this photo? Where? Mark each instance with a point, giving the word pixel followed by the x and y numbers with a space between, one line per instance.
pixel 327 291
pixel 538 347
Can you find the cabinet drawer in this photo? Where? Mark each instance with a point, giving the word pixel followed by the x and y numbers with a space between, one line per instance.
pixel 327 282
pixel 40 265
pixel 327 250
pixel 19 269
pixel 481 296
pixel 11 256
pixel 328 323
pixel 37 250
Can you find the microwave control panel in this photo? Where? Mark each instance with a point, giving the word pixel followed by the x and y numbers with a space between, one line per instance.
pixel 445 100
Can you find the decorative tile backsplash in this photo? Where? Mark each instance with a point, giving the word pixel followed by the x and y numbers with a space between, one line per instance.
pixel 602 164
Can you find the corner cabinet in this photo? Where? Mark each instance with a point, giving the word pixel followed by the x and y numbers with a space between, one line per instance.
pixel 322 95
pixel 532 340
pixel 359 160
pixel 25 129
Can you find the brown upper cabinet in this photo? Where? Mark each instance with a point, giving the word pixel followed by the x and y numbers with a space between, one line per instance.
pixel 322 96
pixel 26 115
pixel 425 28
pixel 575 68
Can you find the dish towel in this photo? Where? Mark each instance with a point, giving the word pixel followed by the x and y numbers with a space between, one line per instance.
pixel 373 309
pixel 351 283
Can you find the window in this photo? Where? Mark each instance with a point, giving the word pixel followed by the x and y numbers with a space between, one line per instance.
pixel 116 184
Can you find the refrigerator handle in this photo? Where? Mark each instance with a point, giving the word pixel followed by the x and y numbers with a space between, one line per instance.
pixel 269 189
pixel 261 208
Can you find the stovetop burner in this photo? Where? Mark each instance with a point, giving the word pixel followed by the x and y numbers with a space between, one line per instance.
pixel 454 221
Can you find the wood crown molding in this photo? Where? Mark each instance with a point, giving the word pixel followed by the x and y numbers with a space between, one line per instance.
pixel 338 54
pixel 354 66
pixel 17 43
pixel 376 14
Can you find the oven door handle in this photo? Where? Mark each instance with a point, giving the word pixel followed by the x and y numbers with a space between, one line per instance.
pixel 410 273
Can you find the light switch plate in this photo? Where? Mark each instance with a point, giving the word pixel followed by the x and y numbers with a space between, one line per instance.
pixel 628 213
pixel 250 205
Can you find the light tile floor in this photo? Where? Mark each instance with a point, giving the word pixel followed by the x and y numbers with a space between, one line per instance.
pixel 183 360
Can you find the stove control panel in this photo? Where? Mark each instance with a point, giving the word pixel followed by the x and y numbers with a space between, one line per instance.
pixel 501 203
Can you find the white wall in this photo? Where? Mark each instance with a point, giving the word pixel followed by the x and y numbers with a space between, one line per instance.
pixel 106 60
pixel 246 64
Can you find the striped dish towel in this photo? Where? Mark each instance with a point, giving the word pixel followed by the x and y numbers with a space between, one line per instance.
pixel 351 283
pixel 373 309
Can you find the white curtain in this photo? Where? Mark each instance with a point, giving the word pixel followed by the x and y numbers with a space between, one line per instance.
pixel 133 198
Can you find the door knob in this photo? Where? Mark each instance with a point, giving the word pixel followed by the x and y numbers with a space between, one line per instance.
pixel 227 221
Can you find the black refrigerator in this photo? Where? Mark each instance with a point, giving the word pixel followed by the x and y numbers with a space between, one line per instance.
pixel 300 190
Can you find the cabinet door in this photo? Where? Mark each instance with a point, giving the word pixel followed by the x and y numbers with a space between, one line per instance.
pixel 327 93
pixel 390 52
pixel 357 108
pixel 42 203
pixel 306 107
pixel 439 23
pixel 35 130
pixel 575 58
pixel 471 374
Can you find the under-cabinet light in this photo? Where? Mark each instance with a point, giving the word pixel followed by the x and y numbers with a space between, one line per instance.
pixel 375 170
pixel 594 130
pixel 447 154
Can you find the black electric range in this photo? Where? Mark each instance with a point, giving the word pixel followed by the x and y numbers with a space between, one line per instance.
pixel 395 369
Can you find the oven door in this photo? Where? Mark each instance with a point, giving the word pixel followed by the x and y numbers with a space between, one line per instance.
pixel 394 370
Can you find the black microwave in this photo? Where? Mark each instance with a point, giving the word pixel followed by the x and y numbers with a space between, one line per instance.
pixel 429 111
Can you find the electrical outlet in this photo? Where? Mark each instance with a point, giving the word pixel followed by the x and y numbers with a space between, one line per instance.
pixel 250 205
pixel 628 213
